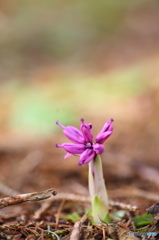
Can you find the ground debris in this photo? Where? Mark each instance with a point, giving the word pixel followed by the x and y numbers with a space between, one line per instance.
pixel 33 230
pixel 81 198
pixel 154 210
pixel 104 231
pixel 76 232
pixel 35 196
pixel 118 233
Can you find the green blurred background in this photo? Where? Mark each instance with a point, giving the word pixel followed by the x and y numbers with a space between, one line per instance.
pixel 63 60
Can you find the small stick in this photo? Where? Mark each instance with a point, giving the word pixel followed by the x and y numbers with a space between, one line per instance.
pixel 44 206
pixel 76 197
pixel 59 210
pixel 103 230
pixel 79 198
pixel 147 195
pixel 75 235
pixel 7 190
pixel 122 205
pixel 35 196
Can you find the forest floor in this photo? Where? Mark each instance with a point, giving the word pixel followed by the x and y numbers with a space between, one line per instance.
pixel 38 166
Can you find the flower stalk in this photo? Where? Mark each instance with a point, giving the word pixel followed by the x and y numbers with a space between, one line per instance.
pixel 97 190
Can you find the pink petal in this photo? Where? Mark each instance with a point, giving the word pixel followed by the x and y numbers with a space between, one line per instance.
pixel 106 126
pixel 98 148
pixel 106 131
pixel 68 155
pixel 104 136
pixel 86 156
pixel 74 134
pixel 74 148
pixel 86 130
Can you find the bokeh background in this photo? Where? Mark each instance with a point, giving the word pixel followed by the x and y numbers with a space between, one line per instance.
pixel 64 60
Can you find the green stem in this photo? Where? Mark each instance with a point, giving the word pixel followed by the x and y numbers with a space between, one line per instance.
pixel 91 183
pixel 98 192
pixel 100 186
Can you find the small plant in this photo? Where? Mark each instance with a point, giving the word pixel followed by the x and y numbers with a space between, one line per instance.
pixel 90 153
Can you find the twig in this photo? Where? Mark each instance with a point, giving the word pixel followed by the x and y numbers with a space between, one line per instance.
pixel 72 196
pixel 35 196
pixel 30 162
pixel 75 235
pixel 149 174
pixel 136 192
pixel 7 190
pixel 103 230
pixel 147 195
pixel 59 210
pixel 80 198
pixel 122 205
pixel 42 209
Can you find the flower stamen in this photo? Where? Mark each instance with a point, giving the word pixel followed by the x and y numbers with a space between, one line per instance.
pixel 59 124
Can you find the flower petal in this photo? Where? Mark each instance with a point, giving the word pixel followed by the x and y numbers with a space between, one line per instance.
pixel 106 126
pixel 86 156
pixel 86 130
pixel 72 133
pixel 98 148
pixel 101 139
pixel 74 148
pixel 68 155
pixel 106 131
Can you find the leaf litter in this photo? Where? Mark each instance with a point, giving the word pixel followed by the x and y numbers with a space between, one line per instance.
pixel 63 216
pixel 73 226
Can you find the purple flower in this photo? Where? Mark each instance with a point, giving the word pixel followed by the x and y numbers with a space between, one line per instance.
pixel 83 140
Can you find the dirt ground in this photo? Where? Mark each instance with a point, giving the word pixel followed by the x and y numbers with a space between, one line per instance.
pixel 131 173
